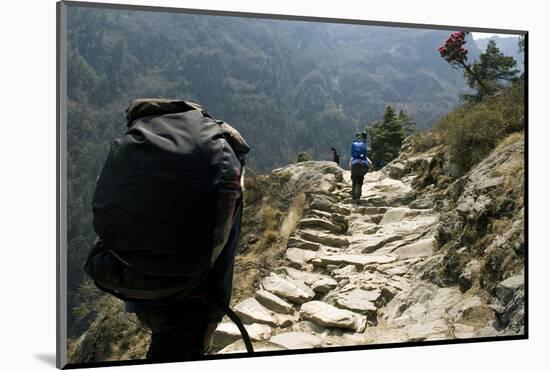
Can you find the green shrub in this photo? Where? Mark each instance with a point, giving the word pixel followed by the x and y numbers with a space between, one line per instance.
pixel 303 157
pixel 424 140
pixel 473 130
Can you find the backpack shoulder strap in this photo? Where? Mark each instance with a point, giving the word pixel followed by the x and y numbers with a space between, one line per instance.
pixel 233 316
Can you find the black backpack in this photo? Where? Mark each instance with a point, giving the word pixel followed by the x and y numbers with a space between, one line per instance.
pixel 164 203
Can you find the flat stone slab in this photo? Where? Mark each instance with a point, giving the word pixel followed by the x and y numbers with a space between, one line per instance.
pixel 394 215
pixel 251 311
pixel 273 302
pixel 375 242
pixel 299 256
pixel 327 205
pixel 324 314
pixel 420 248
pixel 296 340
pixel 359 260
pixel 320 214
pixel 293 290
pixel 294 242
pixel 397 270
pixel 319 223
pixel 346 270
pixel 359 300
pixel 307 277
pixel 324 285
pixel 239 347
pixel 324 238
pixel 227 333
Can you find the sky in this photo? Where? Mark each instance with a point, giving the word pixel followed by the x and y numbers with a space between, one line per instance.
pixel 482 35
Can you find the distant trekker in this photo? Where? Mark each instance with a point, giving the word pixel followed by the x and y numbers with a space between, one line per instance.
pixel 335 156
pixel 359 164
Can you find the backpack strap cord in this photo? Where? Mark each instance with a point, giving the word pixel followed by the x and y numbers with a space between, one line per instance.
pixel 233 316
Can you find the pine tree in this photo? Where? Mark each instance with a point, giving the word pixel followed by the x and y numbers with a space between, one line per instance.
pixel 486 76
pixel 386 138
pixel 494 69
pixel 408 125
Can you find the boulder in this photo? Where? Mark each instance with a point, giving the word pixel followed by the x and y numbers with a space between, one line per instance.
pixel 272 302
pixel 310 175
pixel 251 311
pixel 292 290
pixel 469 275
pixel 395 170
pixel 507 289
pixel 296 340
pixel 465 205
pixel 324 314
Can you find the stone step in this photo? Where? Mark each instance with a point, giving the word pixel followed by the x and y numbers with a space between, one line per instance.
pixel 319 214
pixel 377 241
pixel 300 257
pixel 323 238
pixel 273 302
pixel 361 301
pixel 251 311
pixel 324 314
pixel 336 218
pixel 308 278
pixel 418 249
pixel 360 260
pixel 296 340
pixel 319 223
pixel 239 347
pixel 295 242
pixel 327 205
pixel 292 290
pixel 227 333
pixel 369 210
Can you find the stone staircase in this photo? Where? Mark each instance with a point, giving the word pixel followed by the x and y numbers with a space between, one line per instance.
pixel 351 277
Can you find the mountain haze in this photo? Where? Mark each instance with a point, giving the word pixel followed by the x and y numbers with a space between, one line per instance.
pixel 309 85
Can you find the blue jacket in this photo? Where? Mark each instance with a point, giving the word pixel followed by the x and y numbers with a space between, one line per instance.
pixel 359 153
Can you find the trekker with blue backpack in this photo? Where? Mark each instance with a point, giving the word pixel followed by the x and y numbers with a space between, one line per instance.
pixel 359 164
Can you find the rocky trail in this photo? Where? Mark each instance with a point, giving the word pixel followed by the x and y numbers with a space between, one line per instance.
pixel 352 276
pixel 426 255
